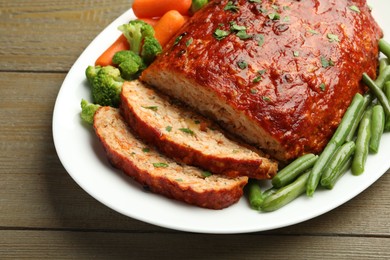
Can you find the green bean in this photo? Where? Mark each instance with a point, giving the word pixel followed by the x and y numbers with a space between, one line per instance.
pixel 286 194
pixel 337 140
pixel 338 173
pixel 384 47
pixel 378 93
pixel 383 63
pixel 362 142
pixel 366 101
pixel 269 192
pixel 291 171
pixel 386 89
pixel 254 194
pixel 383 76
pixel 377 127
pixel 338 160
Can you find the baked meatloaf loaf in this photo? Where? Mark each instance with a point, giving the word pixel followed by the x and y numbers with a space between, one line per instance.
pixel 159 173
pixel 280 73
pixel 188 137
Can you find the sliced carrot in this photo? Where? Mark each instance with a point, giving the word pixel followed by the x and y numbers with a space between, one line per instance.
pixel 168 26
pixel 157 8
pixel 150 21
pixel 105 58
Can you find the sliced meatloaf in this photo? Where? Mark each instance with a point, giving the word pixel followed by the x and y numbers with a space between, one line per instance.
pixel 187 137
pixel 280 74
pixel 159 173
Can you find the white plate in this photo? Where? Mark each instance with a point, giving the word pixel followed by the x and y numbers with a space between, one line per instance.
pixel 84 159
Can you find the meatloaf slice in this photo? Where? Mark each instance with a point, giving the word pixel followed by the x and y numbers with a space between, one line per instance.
pixel 188 137
pixel 161 174
pixel 280 74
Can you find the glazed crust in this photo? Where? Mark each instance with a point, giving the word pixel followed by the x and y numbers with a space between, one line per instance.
pixel 287 86
pixel 148 113
pixel 159 173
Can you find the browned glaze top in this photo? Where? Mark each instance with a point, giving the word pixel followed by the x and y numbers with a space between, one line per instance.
pixel 293 66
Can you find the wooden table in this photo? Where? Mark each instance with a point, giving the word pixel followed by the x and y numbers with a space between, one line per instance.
pixel 45 214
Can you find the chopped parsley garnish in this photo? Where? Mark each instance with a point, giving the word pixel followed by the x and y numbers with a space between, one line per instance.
pixel 275 7
pixel 168 128
pixel 235 27
pixel 230 6
pixel 189 41
pixel 286 19
pixel 258 78
pixel 326 63
pixel 243 35
pixel 154 108
pixel 187 131
pixel 354 8
pixel 206 174
pixel 332 37
pixel 220 34
pixel 242 64
pixel 178 39
pixel 286 7
pixel 322 86
pixel 265 98
pixel 254 1
pixel 296 53
pixel 253 90
pixel 312 31
pixel 274 16
pixel 160 165
pixel 145 150
pixel 260 39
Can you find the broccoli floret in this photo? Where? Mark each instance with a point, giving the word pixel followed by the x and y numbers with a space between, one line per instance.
pixel 88 111
pixel 135 32
pixel 106 85
pixel 140 36
pixel 129 64
pixel 150 49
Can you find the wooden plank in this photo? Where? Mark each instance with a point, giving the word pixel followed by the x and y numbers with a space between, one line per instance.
pixel 36 191
pixel 103 245
pixel 43 35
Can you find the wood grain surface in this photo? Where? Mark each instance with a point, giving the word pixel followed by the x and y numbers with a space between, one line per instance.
pixel 45 214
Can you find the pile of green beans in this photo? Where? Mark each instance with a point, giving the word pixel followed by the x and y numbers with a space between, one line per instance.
pixel 358 135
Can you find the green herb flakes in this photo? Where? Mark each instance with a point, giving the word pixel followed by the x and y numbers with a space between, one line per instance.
pixel 242 64
pixel 168 128
pixel 230 6
pixel 187 131
pixel 189 41
pixel 326 63
pixel 220 34
pixel 255 1
pixel 333 37
pixel 265 98
pixel 160 165
pixel 274 16
pixel 154 108
pixel 313 31
pixel 323 86
pixel 354 8
pixel 260 39
pixel 145 150
pixel 206 174
pixel 296 53
pixel 253 90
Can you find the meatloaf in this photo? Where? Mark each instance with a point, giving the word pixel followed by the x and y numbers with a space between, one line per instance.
pixel 159 173
pixel 279 74
pixel 187 137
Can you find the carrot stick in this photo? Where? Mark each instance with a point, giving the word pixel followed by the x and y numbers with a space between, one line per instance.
pixel 168 26
pixel 105 58
pixel 157 8
pixel 150 21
